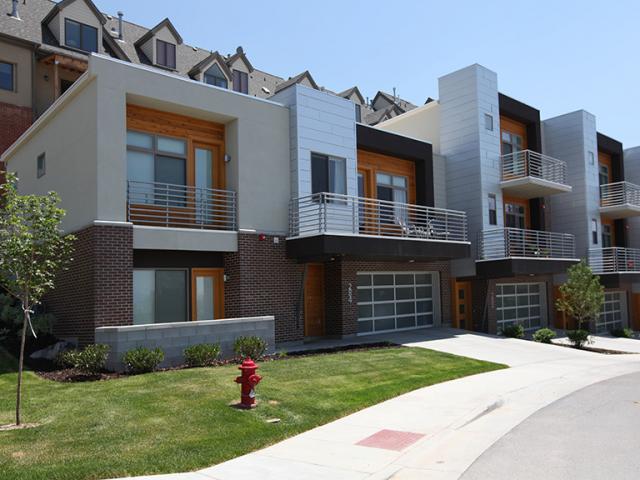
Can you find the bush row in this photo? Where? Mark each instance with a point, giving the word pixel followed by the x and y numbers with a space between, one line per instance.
pixel 92 359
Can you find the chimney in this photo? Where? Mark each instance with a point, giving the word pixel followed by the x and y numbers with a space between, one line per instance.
pixel 120 27
pixel 14 9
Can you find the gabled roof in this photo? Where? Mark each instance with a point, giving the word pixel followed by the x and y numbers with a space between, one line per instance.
pixel 297 79
pixel 351 91
pixel 112 44
pixel 403 104
pixel 207 62
pixel 383 114
pixel 58 7
pixel 240 55
pixel 164 23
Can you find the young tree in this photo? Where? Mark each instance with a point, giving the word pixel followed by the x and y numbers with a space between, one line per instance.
pixel 582 295
pixel 33 250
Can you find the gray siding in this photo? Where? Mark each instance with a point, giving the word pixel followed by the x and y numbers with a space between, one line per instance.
pixel 632 174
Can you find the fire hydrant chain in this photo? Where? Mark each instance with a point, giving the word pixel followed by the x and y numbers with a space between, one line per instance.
pixel 248 381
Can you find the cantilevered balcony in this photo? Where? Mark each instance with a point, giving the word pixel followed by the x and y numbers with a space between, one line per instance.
pixel 180 206
pixel 619 200
pixel 335 224
pixel 515 251
pixel 529 174
pixel 614 260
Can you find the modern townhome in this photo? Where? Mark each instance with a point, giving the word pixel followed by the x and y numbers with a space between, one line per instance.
pixel 44 48
pixel 194 202
pixel 498 171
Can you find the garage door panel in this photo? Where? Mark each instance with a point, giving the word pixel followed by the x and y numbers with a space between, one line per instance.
pixel 613 313
pixel 520 303
pixel 390 301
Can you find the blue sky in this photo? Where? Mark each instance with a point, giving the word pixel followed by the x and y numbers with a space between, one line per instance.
pixel 558 56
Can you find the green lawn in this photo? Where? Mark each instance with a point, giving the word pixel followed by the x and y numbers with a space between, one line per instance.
pixel 180 420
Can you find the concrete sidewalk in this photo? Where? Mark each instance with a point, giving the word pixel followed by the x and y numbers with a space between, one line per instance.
pixel 607 342
pixel 455 421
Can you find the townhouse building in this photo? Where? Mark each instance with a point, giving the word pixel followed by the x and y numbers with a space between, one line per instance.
pixel 195 202
pixel 44 48
pixel 540 195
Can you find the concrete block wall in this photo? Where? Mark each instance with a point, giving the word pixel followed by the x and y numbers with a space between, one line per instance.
pixel 471 150
pixel 572 137
pixel 173 338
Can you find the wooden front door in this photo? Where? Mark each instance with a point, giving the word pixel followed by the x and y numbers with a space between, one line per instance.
pixel 207 293
pixel 314 301
pixel 462 315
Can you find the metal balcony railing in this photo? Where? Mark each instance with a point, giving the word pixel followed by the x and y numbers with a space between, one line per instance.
pixel 614 260
pixel 500 243
pixel 619 193
pixel 180 206
pixel 332 213
pixel 527 163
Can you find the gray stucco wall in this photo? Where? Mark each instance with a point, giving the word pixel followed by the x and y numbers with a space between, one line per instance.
pixel 173 338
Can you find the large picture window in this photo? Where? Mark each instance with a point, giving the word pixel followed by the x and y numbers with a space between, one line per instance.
pixel 159 166
pixel 80 36
pixel 165 54
pixel 328 174
pixel 159 296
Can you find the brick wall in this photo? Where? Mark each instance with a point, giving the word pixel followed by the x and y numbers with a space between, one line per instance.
pixel 14 121
pixel 341 285
pixel 261 280
pixel 97 288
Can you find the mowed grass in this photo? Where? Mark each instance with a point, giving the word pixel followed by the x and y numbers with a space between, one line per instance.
pixel 181 420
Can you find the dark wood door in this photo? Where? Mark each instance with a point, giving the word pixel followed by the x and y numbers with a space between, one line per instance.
pixel 462 315
pixel 314 301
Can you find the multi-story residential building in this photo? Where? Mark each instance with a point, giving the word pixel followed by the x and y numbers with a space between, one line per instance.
pixel 194 202
pixel 539 195
pixel 44 48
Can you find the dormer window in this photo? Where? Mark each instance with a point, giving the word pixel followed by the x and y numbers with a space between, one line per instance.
pixel 165 54
pixel 80 36
pixel 240 81
pixel 214 76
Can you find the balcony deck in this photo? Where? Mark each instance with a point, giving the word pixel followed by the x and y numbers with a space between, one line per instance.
pixel 529 174
pixel 614 260
pixel 620 200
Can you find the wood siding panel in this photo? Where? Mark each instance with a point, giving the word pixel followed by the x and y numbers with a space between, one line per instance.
pixel 371 163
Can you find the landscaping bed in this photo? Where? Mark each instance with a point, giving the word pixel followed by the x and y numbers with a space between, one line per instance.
pixel 180 420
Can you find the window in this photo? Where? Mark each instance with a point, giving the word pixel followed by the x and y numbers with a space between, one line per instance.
pixel 240 81
pixel 157 166
pixel 511 143
pixel 7 81
pixel 515 215
pixel 592 158
pixel 165 54
pixel 392 188
pixel 159 296
pixel 488 122
pixel 594 231
pixel 603 174
pixel 41 167
pixel 328 174
pixel 493 214
pixel 607 236
pixel 80 36
pixel 214 76
pixel 358 113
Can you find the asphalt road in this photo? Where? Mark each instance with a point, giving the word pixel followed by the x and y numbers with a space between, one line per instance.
pixel 593 433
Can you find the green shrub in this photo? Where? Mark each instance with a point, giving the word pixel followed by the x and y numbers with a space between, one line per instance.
pixel 202 355
pixel 90 360
pixel 66 359
pixel 249 347
pixel 544 335
pixel 579 338
pixel 142 360
pixel 513 331
pixel 622 332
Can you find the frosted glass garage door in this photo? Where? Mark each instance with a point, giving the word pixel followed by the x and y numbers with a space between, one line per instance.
pixel 520 303
pixel 396 301
pixel 613 313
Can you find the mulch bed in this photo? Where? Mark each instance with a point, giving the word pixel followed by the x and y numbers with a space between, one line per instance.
pixel 67 375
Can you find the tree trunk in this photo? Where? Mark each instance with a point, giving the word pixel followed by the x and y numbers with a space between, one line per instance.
pixel 25 321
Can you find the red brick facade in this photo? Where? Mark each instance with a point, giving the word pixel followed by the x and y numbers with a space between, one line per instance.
pixel 97 289
pixel 14 121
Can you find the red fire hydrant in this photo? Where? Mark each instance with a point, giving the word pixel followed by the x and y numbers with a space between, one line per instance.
pixel 248 380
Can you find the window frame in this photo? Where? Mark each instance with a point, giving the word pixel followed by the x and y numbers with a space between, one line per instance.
pixel 41 170
pixel 358 113
pixel 81 43
pixel 187 299
pixel 594 231
pixel 607 235
pixel 165 63
pixel 493 211
pixel 216 77
pixel 325 179
pixel 12 76
pixel 240 81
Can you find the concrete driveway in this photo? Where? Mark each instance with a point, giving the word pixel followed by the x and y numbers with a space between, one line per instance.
pixel 435 432
pixel 590 434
